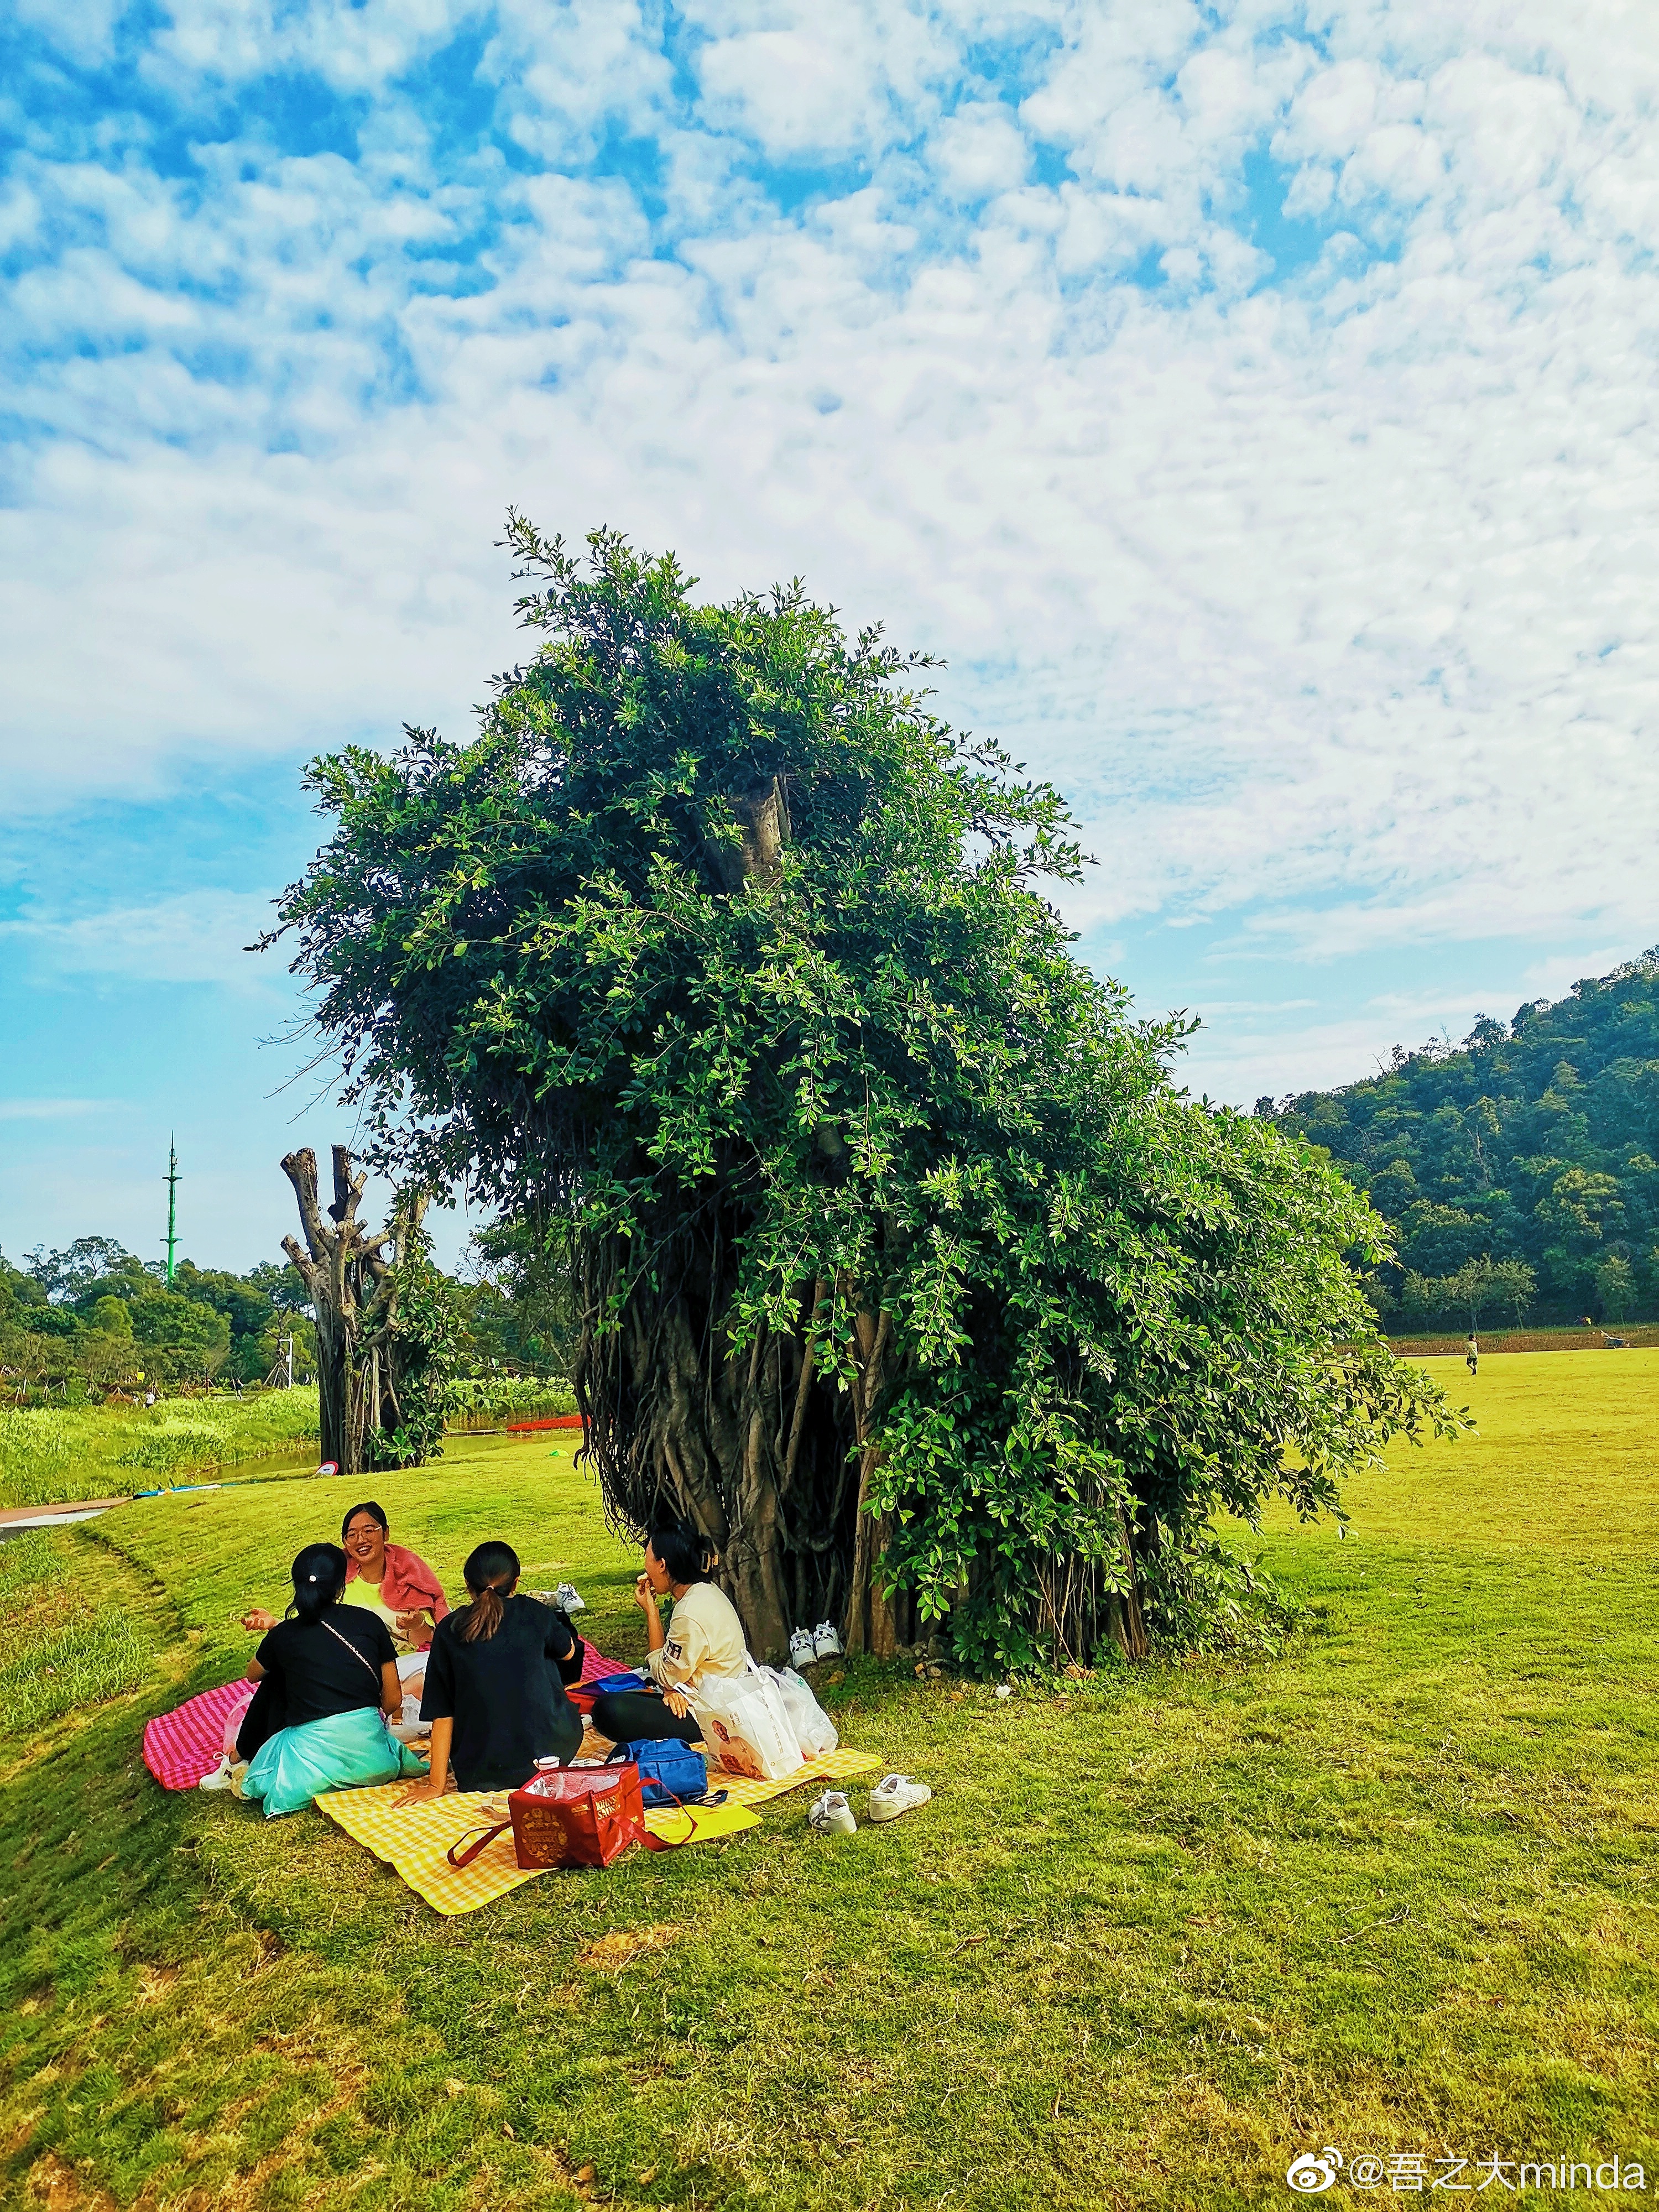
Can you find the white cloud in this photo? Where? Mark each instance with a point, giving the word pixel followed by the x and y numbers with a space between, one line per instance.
pixel 197 937
pixel 83 33
pixel 351 46
pixel 54 1110
pixel 801 81
pixel 1329 600
pixel 979 149
pixel 1240 1058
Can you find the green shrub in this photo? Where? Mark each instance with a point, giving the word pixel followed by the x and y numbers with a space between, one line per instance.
pixel 509 1397
pixel 36 1458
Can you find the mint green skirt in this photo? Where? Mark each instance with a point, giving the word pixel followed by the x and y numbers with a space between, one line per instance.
pixel 348 1750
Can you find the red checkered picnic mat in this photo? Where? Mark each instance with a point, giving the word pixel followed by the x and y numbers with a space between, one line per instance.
pixel 182 1745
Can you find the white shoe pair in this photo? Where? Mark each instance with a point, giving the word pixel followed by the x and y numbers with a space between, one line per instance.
pixel 807 1644
pixel 833 1816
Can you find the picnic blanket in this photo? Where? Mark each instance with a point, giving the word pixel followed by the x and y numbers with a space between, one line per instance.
pixel 415 1844
pixel 184 1745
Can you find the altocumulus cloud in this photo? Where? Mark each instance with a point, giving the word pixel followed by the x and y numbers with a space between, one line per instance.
pixel 1254 406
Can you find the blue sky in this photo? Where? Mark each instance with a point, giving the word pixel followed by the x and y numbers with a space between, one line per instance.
pixel 1253 405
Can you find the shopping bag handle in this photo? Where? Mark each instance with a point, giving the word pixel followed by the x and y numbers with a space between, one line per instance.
pixel 655 1842
pixel 458 1857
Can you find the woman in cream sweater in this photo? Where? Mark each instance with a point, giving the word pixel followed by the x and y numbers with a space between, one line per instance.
pixel 703 1636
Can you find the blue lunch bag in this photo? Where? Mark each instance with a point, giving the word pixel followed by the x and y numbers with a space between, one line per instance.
pixel 671 1772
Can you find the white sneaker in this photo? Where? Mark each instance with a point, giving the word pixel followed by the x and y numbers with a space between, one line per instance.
pixel 803 1647
pixel 568 1599
pixel 832 1815
pixel 221 1777
pixel 897 1794
pixel 826 1644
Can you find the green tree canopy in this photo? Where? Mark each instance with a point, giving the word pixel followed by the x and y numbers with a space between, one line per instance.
pixel 900 1262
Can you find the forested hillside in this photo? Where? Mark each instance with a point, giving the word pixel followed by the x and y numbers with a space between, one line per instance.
pixel 1518 1168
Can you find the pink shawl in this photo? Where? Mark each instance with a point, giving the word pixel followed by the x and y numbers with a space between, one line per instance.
pixel 408 1585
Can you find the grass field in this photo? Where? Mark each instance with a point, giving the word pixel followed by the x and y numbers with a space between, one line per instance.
pixel 49 1453
pixel 1392 1892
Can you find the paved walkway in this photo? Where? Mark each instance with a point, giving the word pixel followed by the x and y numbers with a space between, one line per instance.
pixel 48 1516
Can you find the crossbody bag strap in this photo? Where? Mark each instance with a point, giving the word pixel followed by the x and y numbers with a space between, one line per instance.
pixel 352 1648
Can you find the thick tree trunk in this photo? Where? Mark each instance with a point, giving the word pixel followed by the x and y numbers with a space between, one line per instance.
pixel 688 1415
pixel 876 1621
pixel 749 1442
pixel 776 1467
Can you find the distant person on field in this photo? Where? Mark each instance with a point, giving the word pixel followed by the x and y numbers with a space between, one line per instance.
pixel 495 1680
pixel 1472 1354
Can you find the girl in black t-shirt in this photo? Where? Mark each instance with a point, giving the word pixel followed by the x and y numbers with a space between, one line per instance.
pixel 327 1677
pixel 495 1684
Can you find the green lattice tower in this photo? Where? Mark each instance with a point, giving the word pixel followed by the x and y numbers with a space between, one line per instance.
pixel 171 1181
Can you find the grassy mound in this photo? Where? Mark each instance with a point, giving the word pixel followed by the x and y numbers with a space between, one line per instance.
pixel 1392 1891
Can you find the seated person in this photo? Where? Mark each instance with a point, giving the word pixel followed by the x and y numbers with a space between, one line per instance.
pixel 397 1585
pixel 703 1636
pixel 327 1678
pixel 495 1696
pixel 396 1582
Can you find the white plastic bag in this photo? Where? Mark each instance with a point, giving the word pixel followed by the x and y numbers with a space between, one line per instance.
pixel 746 1728
pixel 815 1732
pixel 409 1727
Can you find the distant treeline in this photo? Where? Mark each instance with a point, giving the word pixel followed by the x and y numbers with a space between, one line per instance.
pixel 1518 1168
pixel 93 1320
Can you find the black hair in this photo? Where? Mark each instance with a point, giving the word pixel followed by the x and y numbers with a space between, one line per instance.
pixel 489 1573
pixel 319 1575
pixel 367 1506
pixel 684 1551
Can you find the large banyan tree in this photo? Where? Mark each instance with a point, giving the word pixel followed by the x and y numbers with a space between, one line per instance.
pixel 902 1264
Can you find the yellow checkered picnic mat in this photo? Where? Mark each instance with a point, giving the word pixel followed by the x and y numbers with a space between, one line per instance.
pixel 842 1766
pixel 415 1844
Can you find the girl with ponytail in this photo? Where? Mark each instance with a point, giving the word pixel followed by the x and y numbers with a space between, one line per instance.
pixel 327 1676
pixel 495 1684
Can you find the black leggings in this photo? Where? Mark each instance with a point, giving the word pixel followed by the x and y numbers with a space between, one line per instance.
pixel 264 1717
pixel 634 1716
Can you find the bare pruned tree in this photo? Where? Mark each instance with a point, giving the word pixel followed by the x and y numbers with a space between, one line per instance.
pixel 353 1282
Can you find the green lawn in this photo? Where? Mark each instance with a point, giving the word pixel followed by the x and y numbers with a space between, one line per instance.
pixel 1393 1890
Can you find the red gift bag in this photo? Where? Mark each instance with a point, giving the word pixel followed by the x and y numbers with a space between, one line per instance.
pixel 568 1816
